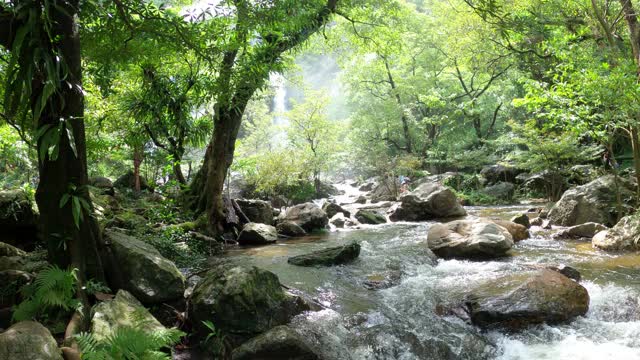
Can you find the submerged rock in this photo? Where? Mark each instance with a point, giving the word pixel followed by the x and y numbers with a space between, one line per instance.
pixel 332 209
pixel 289 228
pixel 123 310
pixel 28 340
pixel 469 239
pixel 517 301
pixel 308 216
pixel 518 232
pixel 592 202
pixel 242 302
pixel 370 217
pixel 281 342
pixel 328 257
pixel 586 230
pixel 257 234
pixel 428 201
pixel 257 211
pixel 624 236
pixel 140 269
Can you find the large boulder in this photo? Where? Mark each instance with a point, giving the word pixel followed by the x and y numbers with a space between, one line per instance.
pixel 289 228
pixel 124 310
pixel 281 342
pixel 127 181
pixel 501 190
pixel 258 211
pixel 497 173
pixel 257 234
pixel 516 301
pixel 308 216
pixel 469 239
pixel 370 217
pixel 624 236
pixel 592 202
pixel 385 191
pixel 543 184
pixel 586 230
pixel 139 268
pixel 332 209
pixel 242 301
pixel 428 201
pixel 28 340
pixel 332 256
pixel 518 232
pixel 105 185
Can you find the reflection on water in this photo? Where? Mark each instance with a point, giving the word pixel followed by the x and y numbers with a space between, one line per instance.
pixel 401 322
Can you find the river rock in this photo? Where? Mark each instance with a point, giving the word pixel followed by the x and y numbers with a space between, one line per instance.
pixel 586 230
pixel 536 221
pixel 289 228
pixel 28 340
pixel 385 191
pixel 242 301
pixel 625 236
pixel 518 232
pixel 469 239
pixel 105 185
pixel 370 217
pixel 383 281
pixel 361 200
pixel 127 181
pixel 502 191
pixel 522 219
pixel 428 201
pixel 568 271
pixel 338 220
pixel 281 342
pixel 139 268
pixel 369 186
pixel 257 211
pixel 257 234
pixel 592 202
pixel 123 310
pixel 332 209
pixel 497 173
pixel 308 216
pixel 517 301
pixel 332 256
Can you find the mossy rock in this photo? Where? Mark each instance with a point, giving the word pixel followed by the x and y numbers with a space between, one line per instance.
pixel 28 340
pixel 332 256
pixel 140 269
pixel 242 301
pixel 123 310
pixel 370 217
pixel 127 220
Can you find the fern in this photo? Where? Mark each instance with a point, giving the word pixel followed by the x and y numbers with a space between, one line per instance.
pixel 52 290
pixel 129 343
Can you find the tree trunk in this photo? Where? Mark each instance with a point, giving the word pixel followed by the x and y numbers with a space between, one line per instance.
pixel 209 181
pixel 69 245
pixel 177 171
pixel 137 161
pixel 403 117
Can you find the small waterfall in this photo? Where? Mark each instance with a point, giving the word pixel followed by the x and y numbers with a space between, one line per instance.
pixel 278 81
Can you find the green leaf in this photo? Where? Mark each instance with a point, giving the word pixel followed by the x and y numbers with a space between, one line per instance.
pixel 64 199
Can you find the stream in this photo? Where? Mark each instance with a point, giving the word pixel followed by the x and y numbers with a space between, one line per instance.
pixel 402 321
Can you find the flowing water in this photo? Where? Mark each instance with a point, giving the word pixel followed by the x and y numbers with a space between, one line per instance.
pixel 403 321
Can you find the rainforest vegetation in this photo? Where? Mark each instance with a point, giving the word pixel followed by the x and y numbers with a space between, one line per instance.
pixel 151 151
